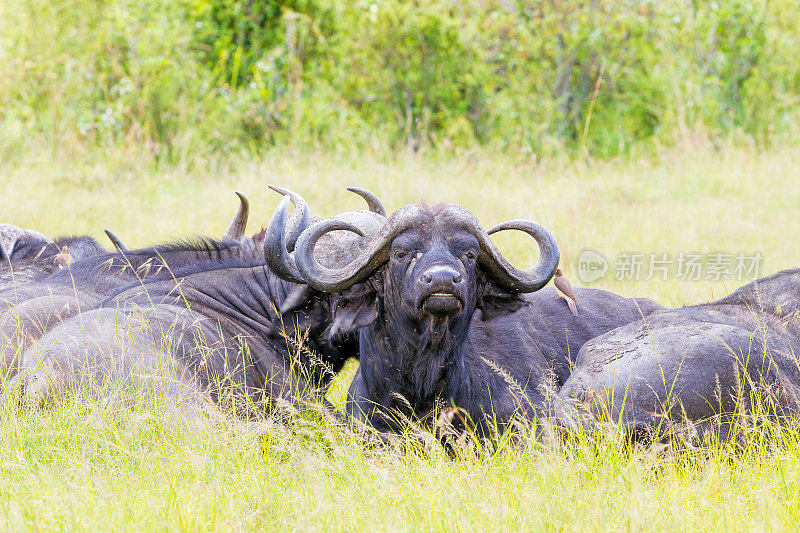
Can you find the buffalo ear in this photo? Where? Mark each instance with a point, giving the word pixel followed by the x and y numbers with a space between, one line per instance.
pixel 352 313
pixel 354 309
pixel 497 302
pixel 368 313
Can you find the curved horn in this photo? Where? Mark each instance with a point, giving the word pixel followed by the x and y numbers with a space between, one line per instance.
pixel 235 231
pixel 276 255
pixel 491 259
pixel 373 202
pixel 508 276
pixel 373 256
pixel 300 219
pixel 116 241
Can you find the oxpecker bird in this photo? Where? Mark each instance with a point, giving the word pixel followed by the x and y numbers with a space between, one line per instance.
pixel 63 258
pixel 564 289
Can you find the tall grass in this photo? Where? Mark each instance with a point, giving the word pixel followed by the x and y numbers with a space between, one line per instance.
pixel 101 465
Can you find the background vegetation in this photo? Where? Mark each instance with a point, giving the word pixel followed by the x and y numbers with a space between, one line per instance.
pixel 112 466
pixel 145 116
pixel 209 77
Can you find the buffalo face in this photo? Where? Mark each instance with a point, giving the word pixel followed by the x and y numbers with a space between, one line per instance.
pixel 435 271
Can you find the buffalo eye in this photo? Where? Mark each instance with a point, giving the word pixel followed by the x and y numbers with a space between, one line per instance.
pixel 400 254
pixel 343 303
pixel 471 255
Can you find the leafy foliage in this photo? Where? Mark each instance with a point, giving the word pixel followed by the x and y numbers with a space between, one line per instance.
pixel 594 76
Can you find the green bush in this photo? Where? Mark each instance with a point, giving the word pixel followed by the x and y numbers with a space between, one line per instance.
pixel 597 77
pixel 407 63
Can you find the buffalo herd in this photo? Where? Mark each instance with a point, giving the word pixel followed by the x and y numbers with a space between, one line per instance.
pixel 439 320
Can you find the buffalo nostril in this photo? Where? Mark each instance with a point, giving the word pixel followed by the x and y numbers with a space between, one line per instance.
pixel 426 278
pixel 457 278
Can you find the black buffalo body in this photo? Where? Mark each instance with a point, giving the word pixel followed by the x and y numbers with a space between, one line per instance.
pixel 702 365
pixel 193 320
pixel 443 322
pixel 212 329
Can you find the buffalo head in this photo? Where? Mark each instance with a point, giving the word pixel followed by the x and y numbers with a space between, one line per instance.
pixel 26 254
pixel 429 268
pixel 335 249
pixel 19 243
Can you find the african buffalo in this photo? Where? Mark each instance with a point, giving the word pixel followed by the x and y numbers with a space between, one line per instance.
pixel 27 255
pixel 29 309
pixel 701 364
pixel 210 328
pixel 94 270
pixel 442 321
